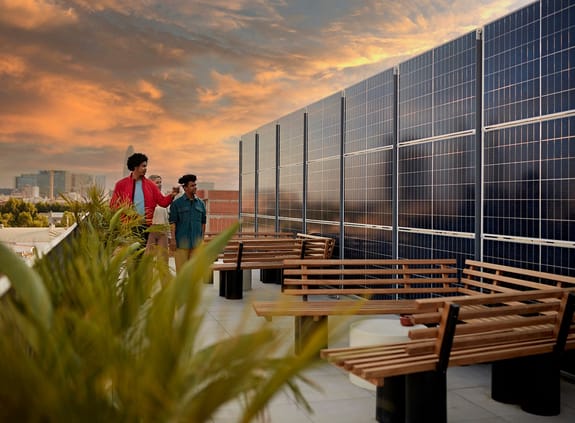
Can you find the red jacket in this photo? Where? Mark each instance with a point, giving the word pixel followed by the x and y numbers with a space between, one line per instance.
pixel 124 195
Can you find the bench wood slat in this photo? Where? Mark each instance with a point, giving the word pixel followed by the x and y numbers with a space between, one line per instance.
pixel 368 281
pixel 368 291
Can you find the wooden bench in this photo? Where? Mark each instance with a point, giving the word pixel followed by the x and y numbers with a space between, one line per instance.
pixel 315 246
pixel 399 282
pixel 533 327
pixel 483 277
pixel 384 286
pixel 265 254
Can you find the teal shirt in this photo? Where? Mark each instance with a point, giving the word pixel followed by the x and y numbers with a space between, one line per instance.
pixel 188 216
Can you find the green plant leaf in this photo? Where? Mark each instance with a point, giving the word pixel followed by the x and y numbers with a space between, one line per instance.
pixel 27 285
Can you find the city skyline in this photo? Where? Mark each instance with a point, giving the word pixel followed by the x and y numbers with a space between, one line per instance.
pixel 183 81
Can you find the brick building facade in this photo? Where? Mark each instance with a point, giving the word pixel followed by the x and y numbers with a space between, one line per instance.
pixel 222 208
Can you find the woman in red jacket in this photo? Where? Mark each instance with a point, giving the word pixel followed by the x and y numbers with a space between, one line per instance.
pixel 139 192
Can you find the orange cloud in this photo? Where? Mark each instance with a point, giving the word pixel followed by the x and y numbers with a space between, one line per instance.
pixel 34 14
pixel 149 90
pixel 12 66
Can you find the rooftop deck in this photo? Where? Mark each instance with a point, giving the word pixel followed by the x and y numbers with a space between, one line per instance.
pixel 469 388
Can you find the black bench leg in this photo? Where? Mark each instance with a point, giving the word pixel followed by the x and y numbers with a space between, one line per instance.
pixel 390 400
pixel 543 395
pixel 426 397
pixel 306 327
pixel 223 278
pixel 271 276
pixel 507 380
pixel 234 281
pixel 532 382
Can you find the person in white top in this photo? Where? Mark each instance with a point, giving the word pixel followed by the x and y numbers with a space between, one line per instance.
pixel 159 231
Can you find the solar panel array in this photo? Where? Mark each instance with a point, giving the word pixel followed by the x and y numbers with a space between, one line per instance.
pixel 466 150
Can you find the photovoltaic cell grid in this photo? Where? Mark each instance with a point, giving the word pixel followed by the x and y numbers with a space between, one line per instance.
pixel 324 128
pixel 267 170
pixel 266 224
pixel 511 67
pixel 415 175
pixel 324 141
pixel 558 179
pixel 436 179
pixel 454 75
pixel 557 260
pixel 369 174
pixel 415 245
pixel 355 187
pixel 248 223
pixel 416 98
pixel 557 56
pixel 248 172
pixel 248 153
pixel 512 254
pixel 355 117
pixel 248 193
pixel 267 192
pixel 437 185
pixel 429 246
pixel 369 113
pixel 368 188
pixel 379 119
pixel 291 138
pixel 535 163
pixel 267 147
pixel 367 243
pixel 323 202
pixel 453 184
pixel 512 186
pixel 295 226
pixel 530 184
pixel 290 190
pixel 326 229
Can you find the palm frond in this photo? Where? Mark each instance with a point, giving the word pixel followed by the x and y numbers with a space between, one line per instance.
pixel 90 333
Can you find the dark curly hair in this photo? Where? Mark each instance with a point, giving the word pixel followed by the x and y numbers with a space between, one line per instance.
pixel 187 178
pixel 136 160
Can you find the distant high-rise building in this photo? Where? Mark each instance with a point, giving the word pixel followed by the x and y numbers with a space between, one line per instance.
pixel 129 152
pixel 81 182
pixel 52 183
pixel 26 179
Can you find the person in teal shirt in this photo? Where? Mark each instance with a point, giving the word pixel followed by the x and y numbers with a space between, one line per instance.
pixel 187 221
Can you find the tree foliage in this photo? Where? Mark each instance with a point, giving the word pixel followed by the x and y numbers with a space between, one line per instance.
pixel 19 213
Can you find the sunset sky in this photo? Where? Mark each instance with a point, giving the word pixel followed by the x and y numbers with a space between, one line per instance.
pixel 182 80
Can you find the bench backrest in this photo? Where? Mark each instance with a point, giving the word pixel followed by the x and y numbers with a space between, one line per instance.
pixel 494 327
pixel 389 278
pixel 317 247
pixel 272 246
pixel 262 250
pixel 488 278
